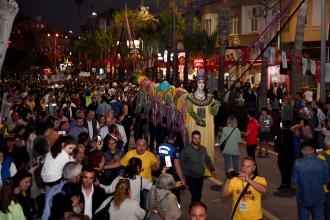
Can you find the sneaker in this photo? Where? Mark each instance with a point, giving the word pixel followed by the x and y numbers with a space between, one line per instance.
pixel 217 144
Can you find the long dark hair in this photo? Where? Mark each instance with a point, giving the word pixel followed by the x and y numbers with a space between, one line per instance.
pixel 60 143
pixel 132 169
pixel 7 195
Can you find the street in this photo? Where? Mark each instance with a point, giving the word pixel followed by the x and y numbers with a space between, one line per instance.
pixel 273 207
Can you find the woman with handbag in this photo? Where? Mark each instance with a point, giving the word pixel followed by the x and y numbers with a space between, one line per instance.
pixel 230 139
pixel 162 203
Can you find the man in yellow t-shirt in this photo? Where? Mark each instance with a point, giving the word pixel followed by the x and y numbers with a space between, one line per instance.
pixel 249 206
pixel 149 160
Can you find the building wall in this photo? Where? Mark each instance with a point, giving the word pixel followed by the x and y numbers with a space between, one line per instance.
pixel 313 23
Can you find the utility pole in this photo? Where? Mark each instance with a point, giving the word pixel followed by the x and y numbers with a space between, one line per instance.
pixel 323 50
pixel 174 68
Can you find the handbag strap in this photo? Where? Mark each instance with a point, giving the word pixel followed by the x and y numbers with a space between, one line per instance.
pixel 229 135
pixel 240 198
pixel 161 200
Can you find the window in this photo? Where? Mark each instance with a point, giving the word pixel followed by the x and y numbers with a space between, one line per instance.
pixel 234 25
pixel 254 24
pixel 206 25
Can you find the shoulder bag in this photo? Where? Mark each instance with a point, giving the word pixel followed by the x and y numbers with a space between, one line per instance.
pixel 223 144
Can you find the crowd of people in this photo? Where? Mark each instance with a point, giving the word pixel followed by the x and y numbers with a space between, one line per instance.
pixel 65 153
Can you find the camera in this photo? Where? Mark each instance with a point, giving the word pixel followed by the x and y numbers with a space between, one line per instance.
pixel 231 174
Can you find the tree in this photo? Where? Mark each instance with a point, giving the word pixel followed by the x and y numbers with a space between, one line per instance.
pixel 297 50
pixel 91 47
pixel 223 30
pixel 8 12
pixel 187 38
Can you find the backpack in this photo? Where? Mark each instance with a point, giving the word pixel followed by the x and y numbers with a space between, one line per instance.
pixel 156 212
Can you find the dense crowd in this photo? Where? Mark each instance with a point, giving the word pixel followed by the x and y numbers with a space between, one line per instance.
pixel 65 153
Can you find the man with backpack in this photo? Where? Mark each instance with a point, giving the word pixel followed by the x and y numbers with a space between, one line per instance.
pixel 325 155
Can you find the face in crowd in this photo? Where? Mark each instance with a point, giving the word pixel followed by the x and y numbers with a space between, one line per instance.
pixel 87 179
pixel 248 167
pixel 141 146
pixel 196 139
pixel 197 213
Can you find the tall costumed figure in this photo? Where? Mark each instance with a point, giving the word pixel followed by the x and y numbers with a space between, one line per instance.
pixel 201 108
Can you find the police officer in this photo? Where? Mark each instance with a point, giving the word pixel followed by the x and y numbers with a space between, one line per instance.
pixel 169 158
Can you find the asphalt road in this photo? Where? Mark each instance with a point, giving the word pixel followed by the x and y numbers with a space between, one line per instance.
pixel 220 209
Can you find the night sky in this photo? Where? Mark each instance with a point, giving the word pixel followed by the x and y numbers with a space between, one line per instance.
pixel 62 15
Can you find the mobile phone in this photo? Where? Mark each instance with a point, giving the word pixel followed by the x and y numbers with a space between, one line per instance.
pixel 168 161
pixel 63 133
pixel 318 151
pixel 99 138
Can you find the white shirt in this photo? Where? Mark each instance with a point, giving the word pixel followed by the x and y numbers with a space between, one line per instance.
pixel 52 168
pixel 135 186
pixel 90 128
pixel 105 131
pixel 88 202
pixel 12 170
pixel 128 210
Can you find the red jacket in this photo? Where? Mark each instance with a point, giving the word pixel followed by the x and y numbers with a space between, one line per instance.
pixel 253 127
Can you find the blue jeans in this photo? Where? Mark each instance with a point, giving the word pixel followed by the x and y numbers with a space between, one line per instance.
pixel 304 212
pixel 231 158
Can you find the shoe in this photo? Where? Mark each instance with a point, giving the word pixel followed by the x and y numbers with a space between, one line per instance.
pixel 217 144
pixel 259 154
pixel 281 187
pixel 267 155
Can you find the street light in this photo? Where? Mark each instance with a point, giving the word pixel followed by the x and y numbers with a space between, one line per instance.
pixel 94 13
pixel 55 44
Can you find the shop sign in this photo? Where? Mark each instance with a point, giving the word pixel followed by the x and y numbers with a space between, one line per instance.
pixel 198 63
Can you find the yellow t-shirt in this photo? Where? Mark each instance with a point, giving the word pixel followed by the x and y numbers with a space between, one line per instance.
pixel 250 205
pixel 148 159
pixel 323 158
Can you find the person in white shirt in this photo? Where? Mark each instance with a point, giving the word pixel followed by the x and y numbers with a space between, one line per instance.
pixel 93 196
pixel 131 173
pixel 59 155
pixel 122 207
pixel 110 120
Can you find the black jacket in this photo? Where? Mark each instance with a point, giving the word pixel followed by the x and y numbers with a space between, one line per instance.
pixel 97 198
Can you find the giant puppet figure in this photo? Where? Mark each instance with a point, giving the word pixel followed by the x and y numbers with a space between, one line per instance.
pixel 201 108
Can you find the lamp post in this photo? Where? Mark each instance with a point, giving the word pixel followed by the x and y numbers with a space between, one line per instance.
pixel 323 51
pixel 55 45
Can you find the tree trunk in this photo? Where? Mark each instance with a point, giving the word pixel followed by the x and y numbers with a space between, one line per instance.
pixel 297 50
pixel 188 31
pixel 223 29
pixel 8 12
pixel 264 67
